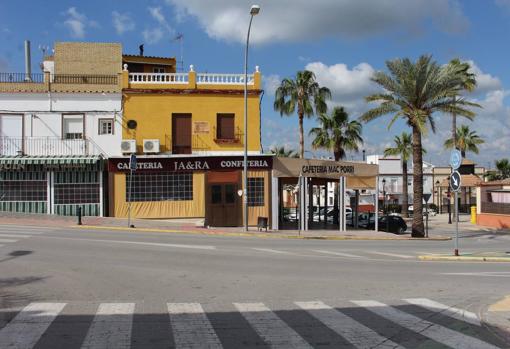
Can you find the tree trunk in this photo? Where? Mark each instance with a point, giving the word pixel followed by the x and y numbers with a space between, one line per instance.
pixel 405 194
pixel 418 230
pixel 463 153
pixel 301 137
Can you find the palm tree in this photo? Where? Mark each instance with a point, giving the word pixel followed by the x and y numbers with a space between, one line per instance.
pixel 337 133
pixel 404 148
pixel 414 91
pixel 467 140
pixel 467 82
pixel 283 152
pixel 502 170
pixel 305 94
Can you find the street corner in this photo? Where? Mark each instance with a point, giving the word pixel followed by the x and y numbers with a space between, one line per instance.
pixel 497 315
pixel 502 257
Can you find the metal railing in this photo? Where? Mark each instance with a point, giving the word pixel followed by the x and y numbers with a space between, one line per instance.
pixel 158 78
pixel 223 79
pixel 79 79
pixel 21 77
pixel 495 207
pixel 47 146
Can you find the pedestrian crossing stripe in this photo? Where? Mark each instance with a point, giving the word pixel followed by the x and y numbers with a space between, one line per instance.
pixel 191 327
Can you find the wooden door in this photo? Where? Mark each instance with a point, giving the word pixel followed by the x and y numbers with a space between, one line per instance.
pixel 223 205
pixel 181 134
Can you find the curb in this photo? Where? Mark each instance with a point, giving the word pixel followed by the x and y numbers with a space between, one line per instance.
pixel 464 258
pixel 255 235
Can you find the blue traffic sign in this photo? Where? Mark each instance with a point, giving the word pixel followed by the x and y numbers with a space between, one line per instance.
pixel 455 159
pixel 455 181
pixel 132 162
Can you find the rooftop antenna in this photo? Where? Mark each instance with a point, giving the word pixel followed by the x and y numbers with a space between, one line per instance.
pixel 180 63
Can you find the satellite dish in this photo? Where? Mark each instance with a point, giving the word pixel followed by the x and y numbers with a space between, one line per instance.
pixel 131 124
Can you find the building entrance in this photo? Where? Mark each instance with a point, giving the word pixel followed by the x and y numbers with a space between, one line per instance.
pixel 323 204
pixel 223 203
pixel 288 189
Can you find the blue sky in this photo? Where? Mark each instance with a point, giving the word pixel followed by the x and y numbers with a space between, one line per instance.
pixel 342 41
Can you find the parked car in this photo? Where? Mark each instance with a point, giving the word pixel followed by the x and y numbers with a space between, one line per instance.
pixel 390 224
pixel 363 219
pixel 430 211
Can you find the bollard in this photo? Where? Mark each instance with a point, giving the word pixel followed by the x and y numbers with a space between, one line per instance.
pixel 79 215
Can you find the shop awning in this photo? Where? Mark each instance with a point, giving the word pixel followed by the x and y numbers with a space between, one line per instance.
pixel 50 160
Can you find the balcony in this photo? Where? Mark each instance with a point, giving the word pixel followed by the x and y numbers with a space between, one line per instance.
pixel 46 82
pixel 191 81
pixel 47 146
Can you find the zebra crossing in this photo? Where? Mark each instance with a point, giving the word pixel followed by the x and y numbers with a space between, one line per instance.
pixel 13 233
pixel 406 323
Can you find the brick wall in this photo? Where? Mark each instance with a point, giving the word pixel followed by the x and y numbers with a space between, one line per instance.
pixel 88 58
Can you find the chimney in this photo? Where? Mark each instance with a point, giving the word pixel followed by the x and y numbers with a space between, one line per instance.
pixel 28 62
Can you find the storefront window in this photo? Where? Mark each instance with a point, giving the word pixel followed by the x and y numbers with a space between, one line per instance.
pixel 255 191
pixel 76 188
pixel 23 186
pixel 162 186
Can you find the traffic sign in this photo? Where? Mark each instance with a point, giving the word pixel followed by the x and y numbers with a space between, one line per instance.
pixel 132 162
pixel 455 181
pixel 426 197
pixel 455 159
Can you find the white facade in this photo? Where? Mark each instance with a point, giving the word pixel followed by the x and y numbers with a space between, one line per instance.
pixel 390 170
pixel 39 119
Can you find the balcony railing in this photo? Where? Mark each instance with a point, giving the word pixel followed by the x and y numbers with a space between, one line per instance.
pixel 21 77
pixel 158 78
pixel 79 79
pixel 223 79
pixel 47 146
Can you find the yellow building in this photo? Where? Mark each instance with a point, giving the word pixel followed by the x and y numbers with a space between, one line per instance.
pixel 187 130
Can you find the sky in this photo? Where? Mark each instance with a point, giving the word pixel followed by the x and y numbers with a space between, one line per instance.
pixel 342 41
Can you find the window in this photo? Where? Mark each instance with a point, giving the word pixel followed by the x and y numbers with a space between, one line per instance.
pixel 158 70
pixel 72 126
pixel 105 126
pixel 216 194
pixel 255 191
pixel 225 126
pixel 23 186
pixel 161 186
pixel 76 188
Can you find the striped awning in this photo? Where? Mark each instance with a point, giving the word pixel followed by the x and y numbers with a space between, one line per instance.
pixel 50 160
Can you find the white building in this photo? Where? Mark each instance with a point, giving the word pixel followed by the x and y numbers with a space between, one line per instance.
pixel 57 127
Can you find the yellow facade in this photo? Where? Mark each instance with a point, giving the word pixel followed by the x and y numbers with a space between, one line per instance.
pixel 152 107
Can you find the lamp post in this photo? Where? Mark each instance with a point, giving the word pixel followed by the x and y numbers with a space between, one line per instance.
pixel 384 195
pixel 255 9
pixel 449 193
pixel 439 198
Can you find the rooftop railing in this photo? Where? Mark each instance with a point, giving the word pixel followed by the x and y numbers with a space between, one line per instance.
pixel 158 78
pixel 223 79
pixel 21 77
pixel 47 146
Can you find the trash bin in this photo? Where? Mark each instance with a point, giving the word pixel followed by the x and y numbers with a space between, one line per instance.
pixel 262 223
pixel 473 214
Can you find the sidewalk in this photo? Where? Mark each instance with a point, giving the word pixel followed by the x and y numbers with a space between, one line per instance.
pixel 190 226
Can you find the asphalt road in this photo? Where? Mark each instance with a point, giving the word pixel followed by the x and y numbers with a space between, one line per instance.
pixel 75 288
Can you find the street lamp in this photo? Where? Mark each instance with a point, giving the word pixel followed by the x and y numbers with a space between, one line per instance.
pixel 255 9
pixel 439 198
pixel 384 195
pixel 449 194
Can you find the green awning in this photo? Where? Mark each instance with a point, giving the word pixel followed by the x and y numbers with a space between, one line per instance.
pixel 51 160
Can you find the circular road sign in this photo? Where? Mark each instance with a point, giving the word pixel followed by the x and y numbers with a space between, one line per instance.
pixel 455 181
pixel 455 159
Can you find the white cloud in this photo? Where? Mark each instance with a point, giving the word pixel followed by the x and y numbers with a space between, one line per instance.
pixel 298 20
pixel 271 83
pixel 154 35
pixel 77 23
pixel 122 22
pixel 485 82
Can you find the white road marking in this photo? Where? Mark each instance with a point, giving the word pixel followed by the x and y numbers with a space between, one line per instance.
pixel 270 250
pixel 7 240
pixel 358 334
pixel 19 236
pixel 29 325
pixel 456 313
pixel 391 254
pixel 191 328
pixel 111 327
pixel 438 333
pixel 198 247
pixel 270 327
pixel 343 254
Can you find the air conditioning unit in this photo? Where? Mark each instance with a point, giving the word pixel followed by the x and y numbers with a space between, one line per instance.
pixel 151 145
pixel 128 146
